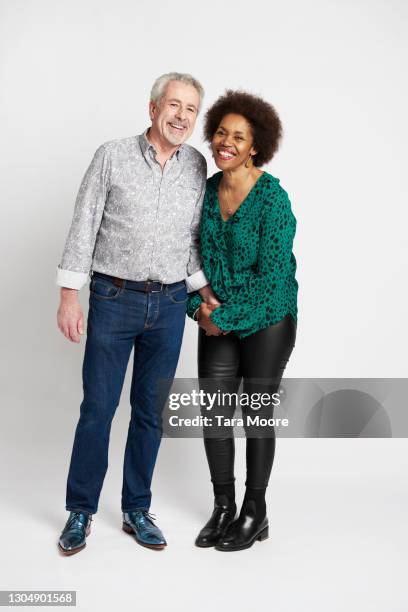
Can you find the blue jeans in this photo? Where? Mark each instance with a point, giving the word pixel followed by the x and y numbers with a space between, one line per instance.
pixel 119 319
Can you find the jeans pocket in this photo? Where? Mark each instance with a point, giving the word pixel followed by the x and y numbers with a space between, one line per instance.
pixel 104 289
pixel 178 295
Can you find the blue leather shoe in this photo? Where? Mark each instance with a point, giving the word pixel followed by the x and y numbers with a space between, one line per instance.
pixel 140 524
pixel 73 536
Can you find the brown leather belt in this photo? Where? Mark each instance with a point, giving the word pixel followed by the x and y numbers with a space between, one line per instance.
pixel 148 286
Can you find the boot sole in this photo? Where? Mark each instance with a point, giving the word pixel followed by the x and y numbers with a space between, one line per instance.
pixel 262 535
pixel 127 529
pixel 73 551
pixel 205 545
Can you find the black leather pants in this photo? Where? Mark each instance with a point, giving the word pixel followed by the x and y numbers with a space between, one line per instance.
pixel 260 360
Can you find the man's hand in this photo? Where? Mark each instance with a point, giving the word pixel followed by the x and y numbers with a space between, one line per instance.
pixel 208 296
pixel 70 317
pixel 205 322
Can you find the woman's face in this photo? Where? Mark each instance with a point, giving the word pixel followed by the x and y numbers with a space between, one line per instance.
pixel 232 143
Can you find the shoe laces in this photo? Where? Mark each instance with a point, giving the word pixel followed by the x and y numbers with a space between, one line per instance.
pixel 74 522
pixel 148 516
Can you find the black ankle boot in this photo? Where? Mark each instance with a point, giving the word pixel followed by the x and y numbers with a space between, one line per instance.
pixel 223 514
pixel 243 532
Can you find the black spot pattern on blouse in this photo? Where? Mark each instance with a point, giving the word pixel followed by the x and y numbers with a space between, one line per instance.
pixel 248 259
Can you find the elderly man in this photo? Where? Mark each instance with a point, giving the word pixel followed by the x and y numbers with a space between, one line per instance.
pixel 135 231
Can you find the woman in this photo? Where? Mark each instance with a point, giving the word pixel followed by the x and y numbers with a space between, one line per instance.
pixel 247 232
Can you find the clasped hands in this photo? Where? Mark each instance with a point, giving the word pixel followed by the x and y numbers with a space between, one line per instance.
pixel 203 316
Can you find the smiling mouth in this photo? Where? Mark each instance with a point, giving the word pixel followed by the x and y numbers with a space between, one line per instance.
pixel 227 155
pixel 177 126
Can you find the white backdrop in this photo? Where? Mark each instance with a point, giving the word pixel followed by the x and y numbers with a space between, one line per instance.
pixel 76 74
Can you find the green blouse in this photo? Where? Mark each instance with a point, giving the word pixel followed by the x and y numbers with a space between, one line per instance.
pixel 248 259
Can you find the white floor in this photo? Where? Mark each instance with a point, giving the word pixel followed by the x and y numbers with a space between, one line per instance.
pixel 338 532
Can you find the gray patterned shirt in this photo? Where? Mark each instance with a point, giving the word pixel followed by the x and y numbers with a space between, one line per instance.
pixel 133 220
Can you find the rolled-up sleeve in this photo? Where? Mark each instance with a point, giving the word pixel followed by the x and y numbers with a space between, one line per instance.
pixel 73 269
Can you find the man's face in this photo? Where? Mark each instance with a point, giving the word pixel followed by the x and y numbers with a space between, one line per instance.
pixel 173 119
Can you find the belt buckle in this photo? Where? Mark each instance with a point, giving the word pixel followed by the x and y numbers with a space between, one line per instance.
pixel 152 290
pixel 118 281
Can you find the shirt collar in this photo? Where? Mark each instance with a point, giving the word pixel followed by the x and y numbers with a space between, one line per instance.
pixel 146 145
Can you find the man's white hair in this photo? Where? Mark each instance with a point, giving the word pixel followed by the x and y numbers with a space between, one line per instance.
pixel 160 84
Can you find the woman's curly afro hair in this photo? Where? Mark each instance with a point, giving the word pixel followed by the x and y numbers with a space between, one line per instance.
pixel 263 118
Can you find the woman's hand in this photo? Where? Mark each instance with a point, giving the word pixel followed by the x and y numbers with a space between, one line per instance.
pixel 204 321
pixel 208 296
